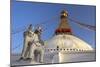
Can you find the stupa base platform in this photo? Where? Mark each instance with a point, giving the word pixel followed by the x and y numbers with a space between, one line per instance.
pixel 50 58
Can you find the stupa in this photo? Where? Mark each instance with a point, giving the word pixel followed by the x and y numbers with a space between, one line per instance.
pixel 65 41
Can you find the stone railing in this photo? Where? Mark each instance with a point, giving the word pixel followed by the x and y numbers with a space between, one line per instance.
pixel 66 50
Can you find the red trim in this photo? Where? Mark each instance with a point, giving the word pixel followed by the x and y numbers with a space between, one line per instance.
pixel 62 30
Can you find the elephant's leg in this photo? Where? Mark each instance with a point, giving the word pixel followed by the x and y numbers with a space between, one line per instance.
pixel 36 55
pixel 31 52
pixel 41 55
pixel 24 49
pixel 27 52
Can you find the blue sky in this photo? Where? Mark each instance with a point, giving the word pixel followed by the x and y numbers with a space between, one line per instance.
pixel 24 13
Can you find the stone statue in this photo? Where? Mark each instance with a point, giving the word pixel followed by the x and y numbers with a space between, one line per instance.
pixel 37 47
pixel 33 48
pixel 28 37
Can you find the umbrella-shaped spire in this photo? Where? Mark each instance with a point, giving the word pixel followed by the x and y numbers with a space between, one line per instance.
pixel 63 27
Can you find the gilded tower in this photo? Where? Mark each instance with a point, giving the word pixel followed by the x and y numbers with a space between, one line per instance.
pixel 63 27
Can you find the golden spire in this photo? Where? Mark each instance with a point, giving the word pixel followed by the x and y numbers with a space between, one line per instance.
pixel 63 27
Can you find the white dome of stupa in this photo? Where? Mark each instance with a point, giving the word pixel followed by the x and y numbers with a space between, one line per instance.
pixel 67 41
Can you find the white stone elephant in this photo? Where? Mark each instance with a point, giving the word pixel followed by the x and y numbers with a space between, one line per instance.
pixel 33 45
